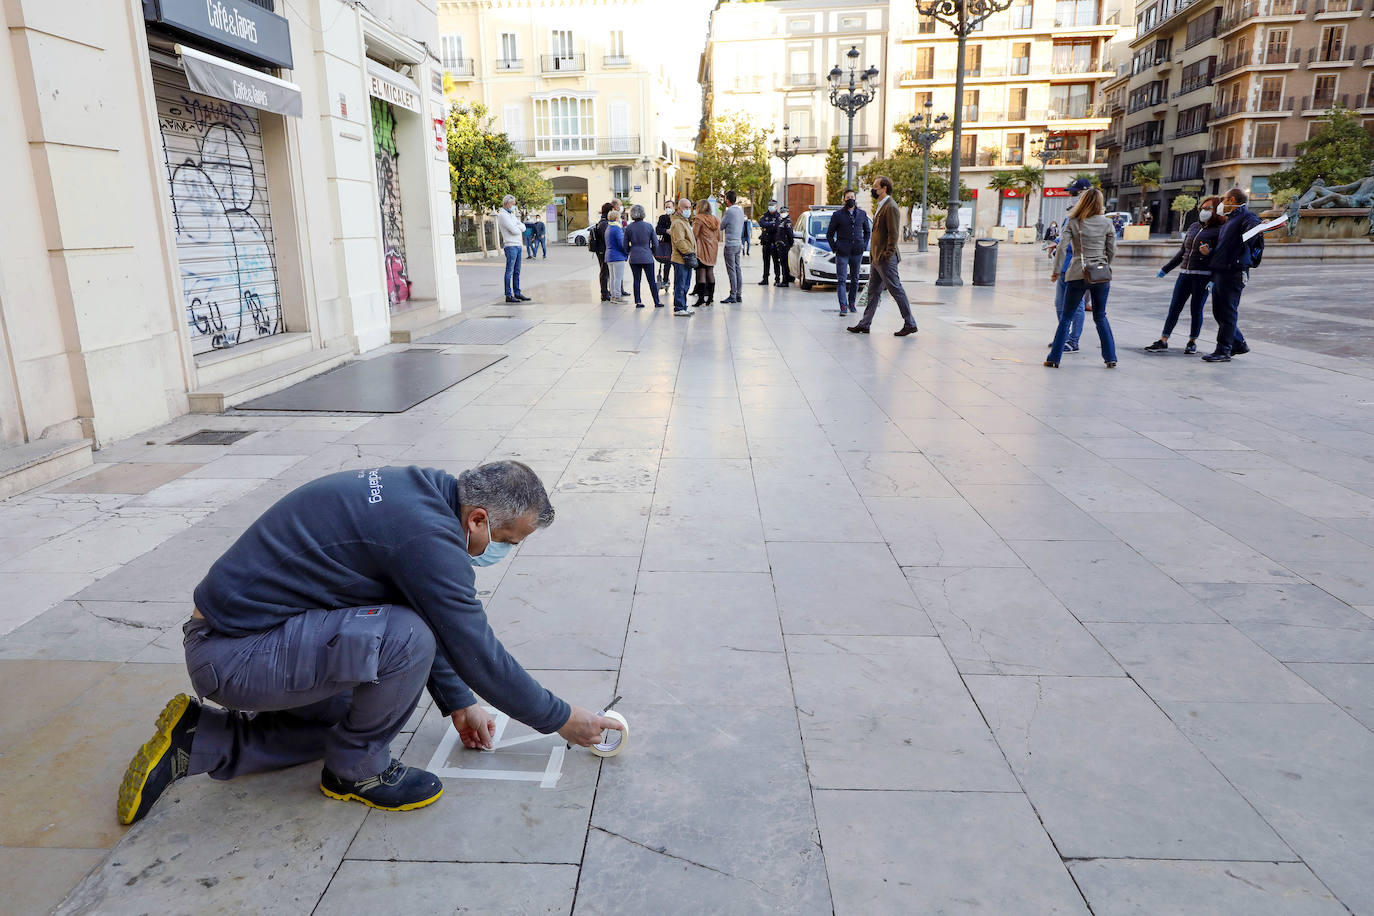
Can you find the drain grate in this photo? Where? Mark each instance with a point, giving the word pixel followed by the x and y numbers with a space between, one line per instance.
pixel 214 437
pixel 989 324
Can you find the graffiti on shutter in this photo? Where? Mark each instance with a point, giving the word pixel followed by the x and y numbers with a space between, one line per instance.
pixel 389 192
pixel 225 247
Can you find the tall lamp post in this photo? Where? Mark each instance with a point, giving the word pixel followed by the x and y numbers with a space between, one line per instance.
pixel 963 16
pixel 925 133
pixel 850 97
pixel 1041 151
pixel 785 149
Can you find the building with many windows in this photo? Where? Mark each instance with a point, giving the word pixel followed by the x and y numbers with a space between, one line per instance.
pixel 578 87
pixel 1032 79
pixel 770 61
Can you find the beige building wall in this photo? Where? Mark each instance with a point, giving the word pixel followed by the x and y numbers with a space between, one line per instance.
pixel 1032 73
pixel 771 61
pixel 98 333
pixel 578 87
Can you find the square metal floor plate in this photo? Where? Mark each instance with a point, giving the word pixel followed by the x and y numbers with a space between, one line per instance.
pixel 481 331
pixel 213 437
pixel 392 383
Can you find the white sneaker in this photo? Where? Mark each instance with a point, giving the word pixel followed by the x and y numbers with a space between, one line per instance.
pixel 683 313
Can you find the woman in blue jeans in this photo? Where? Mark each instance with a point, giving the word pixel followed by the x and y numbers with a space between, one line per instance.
pixel 1194 260
pixel 1093 240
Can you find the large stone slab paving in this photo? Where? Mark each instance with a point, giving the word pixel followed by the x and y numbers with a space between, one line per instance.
pixel 1195 551
pixel 1031 512
pixel 448 887
pixel 594 524
pixel 1004 621
pixel 705 517
pixel 941 852
pixel 1305 768
pixel 938 532
pixel 890 712
pixel 1294 623
pixel 1351 687
pixel 807 496
pixel 90 630
pixel 1111 776
pixel 855 589
pixel 715 806
pixel 1162 887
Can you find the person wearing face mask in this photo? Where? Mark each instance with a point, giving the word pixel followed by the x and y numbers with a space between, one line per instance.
pixel 783 240
pixel 663 250
pixel 883 260
pixel 1232 259
pixel 732 230
pixel 317 631
pixel 768 227
pixel 1193 259
pixel 616 255
pixel 512 239
pixel 684 256
pixel 848 235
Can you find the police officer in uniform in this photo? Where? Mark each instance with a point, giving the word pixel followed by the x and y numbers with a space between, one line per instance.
pixel 782 243
pixel 768 225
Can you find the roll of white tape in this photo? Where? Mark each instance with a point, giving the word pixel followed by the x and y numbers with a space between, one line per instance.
pixel 612 741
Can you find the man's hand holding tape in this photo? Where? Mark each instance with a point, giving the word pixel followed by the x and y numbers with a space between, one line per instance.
pixel 583 728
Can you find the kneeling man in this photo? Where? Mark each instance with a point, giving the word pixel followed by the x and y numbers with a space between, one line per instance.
pixel 320 626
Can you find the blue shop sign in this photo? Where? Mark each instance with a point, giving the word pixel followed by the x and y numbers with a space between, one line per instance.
pixel 239 25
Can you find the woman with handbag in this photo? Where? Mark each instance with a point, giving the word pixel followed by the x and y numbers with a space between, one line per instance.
pixel 706 230
pixel 684 256
pixel 1088 271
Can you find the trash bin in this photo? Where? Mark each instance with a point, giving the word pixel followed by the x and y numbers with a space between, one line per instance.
pixel 985 262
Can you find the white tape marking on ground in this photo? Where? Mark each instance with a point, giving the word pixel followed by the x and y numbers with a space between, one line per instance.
pixel 547 778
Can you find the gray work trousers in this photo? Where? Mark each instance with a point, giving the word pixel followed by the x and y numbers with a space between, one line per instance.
pixel 882 275
pixel 732 271
pixel 337 684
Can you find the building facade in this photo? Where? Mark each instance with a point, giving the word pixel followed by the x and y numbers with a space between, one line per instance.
pixel 1282 65
pixel 1032 80
pixel 254 192
pixel 577 87
pixel 770 61
pixel 1168 105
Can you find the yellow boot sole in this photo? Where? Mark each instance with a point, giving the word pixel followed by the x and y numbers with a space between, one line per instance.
pixel 141 767
pixel 358 798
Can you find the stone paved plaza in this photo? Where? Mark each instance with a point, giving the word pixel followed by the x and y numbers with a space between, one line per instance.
pixel 901 626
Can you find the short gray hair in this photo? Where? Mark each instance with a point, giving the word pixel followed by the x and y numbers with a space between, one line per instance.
pixel 636 211
pixel 508 490
pixel 508 199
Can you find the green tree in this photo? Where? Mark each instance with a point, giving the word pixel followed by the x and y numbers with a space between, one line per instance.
pixel 1093 178
pixel 483 165
pixel 1149 176
pixel 834 172
pixel 1339 153
pixel 905 166
pixel 1030 177
pixel 733 156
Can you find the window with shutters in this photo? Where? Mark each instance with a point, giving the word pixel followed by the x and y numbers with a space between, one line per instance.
pixel 1020 58
pixel 968 150
pixel 1014 152
pixel 970 105
pixel 1266 135
pixel 620 181
pixel 561 44
pixel 1016 103
pixel 513 119
pixel 1333 39
pixel 451 51
pixel 620 127
pixel 924 67
pixel 509 58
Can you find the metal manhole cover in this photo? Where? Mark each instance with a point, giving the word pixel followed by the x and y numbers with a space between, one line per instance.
pixel 214 437
pixel 988 324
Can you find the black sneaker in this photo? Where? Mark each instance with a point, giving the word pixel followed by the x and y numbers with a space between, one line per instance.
pixel 521 297
pixel 1238 349
pixel 512 299
pixel 163 759
pixel 1191 349
pixel 1217 358
pixel 857 329
pixel 1159 346
pixel 397 788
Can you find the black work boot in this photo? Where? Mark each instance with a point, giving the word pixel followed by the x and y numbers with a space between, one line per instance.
pixel 397 788
pixel 161 761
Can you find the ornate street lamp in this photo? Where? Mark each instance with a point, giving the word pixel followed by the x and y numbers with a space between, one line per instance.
pixel 785 149
pixel 963 16
pixel 850 96
pixel 1040 150
pixel 925 132
pixel 645 164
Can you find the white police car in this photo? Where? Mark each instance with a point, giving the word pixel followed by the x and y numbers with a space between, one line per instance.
pixel 810 258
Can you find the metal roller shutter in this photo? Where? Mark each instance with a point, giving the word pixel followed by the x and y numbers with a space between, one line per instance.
pixel 225 247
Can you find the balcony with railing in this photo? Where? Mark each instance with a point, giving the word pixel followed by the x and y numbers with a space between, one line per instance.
pixel 1108 138
pixel 1071 157
pixel 1073 112
pixel 1186 168
pixel 812 144
pixel 1257 10
pixel 615 61
pixel 1331 9
pixel 577 147
pixel 1068 67
pixel 1237 151
pixel 1324 102
pixel 562 63
pixel 1332 56
pixel 1265 104
pixel 459 68
pixel 749 83
pixel 510 64
pixel 801 79
pixel 1139 139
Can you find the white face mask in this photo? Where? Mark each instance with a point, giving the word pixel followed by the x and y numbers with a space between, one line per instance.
pixel 1204 215
pixel 1223 207
pixel 686 211
pixel 772 207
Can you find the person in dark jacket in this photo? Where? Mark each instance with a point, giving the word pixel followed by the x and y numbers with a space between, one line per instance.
pixel 316 632
pixel 768 227
pixel 1231 260
pixel 783 239
pixel 1194 260
pixel 663 251
pixel 640 239
pixel 883 261
pixel 597 242
pixel 848 235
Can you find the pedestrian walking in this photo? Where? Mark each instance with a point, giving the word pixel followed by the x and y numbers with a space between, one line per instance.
pixel 848 235
pixel 883 261
pixel 663 252
pixel 706 231
pixel 317 632
pixel 1062 247
pixel 1088 270
pixel 640 242
pixel 783 240
pixel 616 255
pixel 684 256
pixel 745 235
pixel 732 228
pixel 540 238
pixel 596 241
pixel 512 238
pixel 768 226
pixel 1194 259
pixel 1231 262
